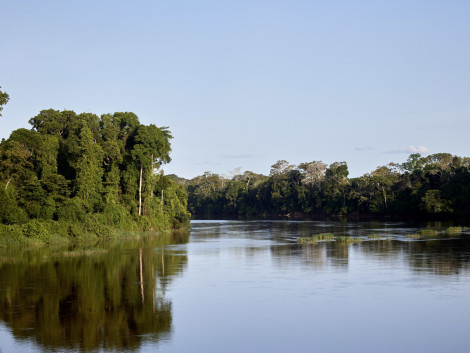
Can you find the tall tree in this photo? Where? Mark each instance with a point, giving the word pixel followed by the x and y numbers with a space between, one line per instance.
pixel 151 150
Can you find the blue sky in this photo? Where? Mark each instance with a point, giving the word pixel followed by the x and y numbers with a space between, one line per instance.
pixel 246 83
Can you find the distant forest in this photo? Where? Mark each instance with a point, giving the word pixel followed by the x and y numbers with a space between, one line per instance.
pixel 74 173
pixel 437 185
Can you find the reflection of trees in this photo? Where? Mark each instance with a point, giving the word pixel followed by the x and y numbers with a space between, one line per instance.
pixel 101 300
pixel 441 257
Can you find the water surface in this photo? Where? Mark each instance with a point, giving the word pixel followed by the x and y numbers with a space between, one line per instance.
pixel 242 286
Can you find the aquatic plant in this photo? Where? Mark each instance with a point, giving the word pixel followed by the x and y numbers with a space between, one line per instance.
pixel 315 238
pixel 454 230
pixel 347 239
pixel 414 236
pixel 375 236
pixel 428 232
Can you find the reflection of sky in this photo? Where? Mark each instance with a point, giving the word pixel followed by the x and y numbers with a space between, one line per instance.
pixel 251 293
pixel 9 344
pixel 248 287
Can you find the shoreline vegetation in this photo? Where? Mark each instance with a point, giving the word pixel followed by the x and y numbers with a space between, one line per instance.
pixel 78 177
pixel 433 187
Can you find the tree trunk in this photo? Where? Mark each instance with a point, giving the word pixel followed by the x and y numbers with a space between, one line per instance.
pixel 8 182
pixel 140 192
pixel 385 196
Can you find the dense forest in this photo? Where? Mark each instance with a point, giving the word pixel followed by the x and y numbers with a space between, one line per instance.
pixel 74 173
pixel 436 185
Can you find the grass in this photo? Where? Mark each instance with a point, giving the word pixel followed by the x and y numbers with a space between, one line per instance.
pixel 454 230
pixel 315 238
pixel 348 240
pixel 413 236
pixel 431 233
pixel 375 236
pixel 428 232
pixel 423 233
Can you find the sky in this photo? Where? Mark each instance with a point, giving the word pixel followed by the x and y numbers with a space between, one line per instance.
pixel 245 83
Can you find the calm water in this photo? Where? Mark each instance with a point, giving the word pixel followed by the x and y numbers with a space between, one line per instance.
pixel 242 286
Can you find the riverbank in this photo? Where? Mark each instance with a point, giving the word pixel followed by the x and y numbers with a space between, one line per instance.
pixel 90 229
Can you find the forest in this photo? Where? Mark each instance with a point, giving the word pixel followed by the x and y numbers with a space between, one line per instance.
pixel 433 186
pixel 74 174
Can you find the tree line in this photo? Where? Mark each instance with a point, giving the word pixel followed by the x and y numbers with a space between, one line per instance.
pixel 82 170
pixel 437 184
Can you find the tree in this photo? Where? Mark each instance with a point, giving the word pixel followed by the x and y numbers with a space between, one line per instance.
pixel 4 98
pixel 313 173
pixel 151 150
pixel 280 167
pixel 432 202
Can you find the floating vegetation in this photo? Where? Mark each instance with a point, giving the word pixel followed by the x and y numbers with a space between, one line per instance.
pixel 324 236
pixel 414 236
pixel 454 230
pixel 315 238
pixel 375 236
pixel 348 240
pixel 428 233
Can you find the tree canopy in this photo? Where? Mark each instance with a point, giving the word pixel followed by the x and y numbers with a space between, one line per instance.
pixel 94 170
pixel 434 185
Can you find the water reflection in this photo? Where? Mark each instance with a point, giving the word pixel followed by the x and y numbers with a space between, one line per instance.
pixel 436 256
pixel 440 257
pixel 243 277
pixel 110 297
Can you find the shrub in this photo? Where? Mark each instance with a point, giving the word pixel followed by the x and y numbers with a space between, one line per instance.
pixel 35 229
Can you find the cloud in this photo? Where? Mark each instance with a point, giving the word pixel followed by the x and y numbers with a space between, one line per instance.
pixel 411 149
pixel 417 149
pixel 363 148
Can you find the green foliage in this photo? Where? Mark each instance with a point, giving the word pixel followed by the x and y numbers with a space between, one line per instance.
pixel 432 202
pixel 100 173
pixel 4 98
pixel 315 238
pixel 454 230
pixel 428 232
pixel 35 229
pixel 435 185
pixel 348 240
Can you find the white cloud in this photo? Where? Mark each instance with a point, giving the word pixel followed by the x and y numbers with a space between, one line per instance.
pixel 417 149
pixel 411 149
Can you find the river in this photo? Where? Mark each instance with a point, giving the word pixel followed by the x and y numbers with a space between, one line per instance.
pixel 243 286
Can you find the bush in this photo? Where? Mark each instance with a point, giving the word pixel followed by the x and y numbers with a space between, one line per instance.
pixel 72 210
pixel 35 229
pixel 94 226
